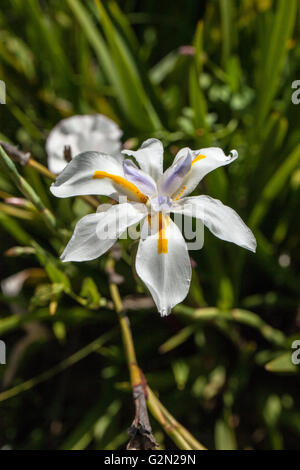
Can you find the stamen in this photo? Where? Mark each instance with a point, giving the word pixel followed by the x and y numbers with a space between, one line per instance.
pixel 162 247
pixel 199 157
pixel 122 182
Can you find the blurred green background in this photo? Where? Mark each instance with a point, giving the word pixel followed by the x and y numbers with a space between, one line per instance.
pixel 221 363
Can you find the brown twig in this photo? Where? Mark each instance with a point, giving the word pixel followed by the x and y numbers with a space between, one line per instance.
pixel 16 154
pixel 140 432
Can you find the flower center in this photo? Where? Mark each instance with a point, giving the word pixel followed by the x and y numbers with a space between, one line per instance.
pixel 161 204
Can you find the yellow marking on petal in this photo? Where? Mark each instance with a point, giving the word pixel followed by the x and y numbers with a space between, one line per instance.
pixel 132 188
pixel 162 247
pixel 199 157
pixel 179 194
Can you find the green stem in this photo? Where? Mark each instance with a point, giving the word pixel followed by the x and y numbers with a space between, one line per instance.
pixel 171 426
pixel 238 315
pixel 182 438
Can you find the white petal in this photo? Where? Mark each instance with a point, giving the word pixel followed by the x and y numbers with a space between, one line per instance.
pixel 95 233
pixel 221 220
pixel 82 133
pixel 149 157
pixel 167 275
pixel 204 161
pixel 77 178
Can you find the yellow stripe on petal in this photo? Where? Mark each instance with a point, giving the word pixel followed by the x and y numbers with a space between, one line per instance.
pixel 162 247
pixel 132 188
pixel 180 193
pixel 199 157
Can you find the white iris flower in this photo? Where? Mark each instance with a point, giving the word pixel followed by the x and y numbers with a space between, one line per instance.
pixel 82 133
pixel 162 260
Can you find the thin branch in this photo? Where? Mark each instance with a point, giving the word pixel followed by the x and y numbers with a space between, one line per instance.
pixel 16 154
pixel 140 432
pixel 171 425
pixel 235 315
pixel 180 435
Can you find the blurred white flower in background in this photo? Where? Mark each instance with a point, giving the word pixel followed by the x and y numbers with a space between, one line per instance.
pixel 82 133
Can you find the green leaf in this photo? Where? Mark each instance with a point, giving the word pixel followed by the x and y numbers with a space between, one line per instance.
pixel 181 372
pixel 164 67
pixel 272 410
pixel 274 186
pixel 137 105
pixel 273 61
pixel 282 364
pixel 224 436
pixel 197 98
pixel 45 293
pixel 15 229
pixel 56 275
pixel 90 292
pixel 95 39
pixel 93 425
pixel 177 339
pixel 227 28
